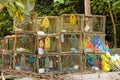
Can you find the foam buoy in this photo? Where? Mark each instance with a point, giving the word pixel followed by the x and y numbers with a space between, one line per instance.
pixel 72 19
pixel 41 44
pixel 108 55
pixel 106 68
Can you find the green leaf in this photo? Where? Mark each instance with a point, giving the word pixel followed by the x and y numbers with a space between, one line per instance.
pixel 60 1
pixel 25 11
pixel 116 6
pixel 108 1
pixel 10 12
pixel 12 6
pixel 117 3
pixel 19 4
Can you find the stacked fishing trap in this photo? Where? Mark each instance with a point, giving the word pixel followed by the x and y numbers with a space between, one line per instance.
pixel 66 43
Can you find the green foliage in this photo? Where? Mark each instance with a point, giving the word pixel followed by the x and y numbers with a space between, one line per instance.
pixel 49 7
pixel 60 1
pixel 6 23
pixel 17 8
pixel 116 6
pixel 99 7
pixel 13 8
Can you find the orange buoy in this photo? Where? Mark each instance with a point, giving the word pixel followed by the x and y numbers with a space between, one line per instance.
pixel 41 44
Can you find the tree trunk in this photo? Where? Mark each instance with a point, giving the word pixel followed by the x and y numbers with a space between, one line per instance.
pixel 114 25
pixel 87 7
pixel 88 22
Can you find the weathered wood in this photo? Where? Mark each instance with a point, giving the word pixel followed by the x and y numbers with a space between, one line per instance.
pixel 8 76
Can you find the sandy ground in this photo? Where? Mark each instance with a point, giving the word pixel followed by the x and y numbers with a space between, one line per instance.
pixel 93 76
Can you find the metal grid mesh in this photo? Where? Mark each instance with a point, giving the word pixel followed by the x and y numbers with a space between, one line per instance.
pixel 24 62
pixel 95 23
pixel 25 42
pixel 65 22
pixel 68 62
pixel 54 21
pixel 70 41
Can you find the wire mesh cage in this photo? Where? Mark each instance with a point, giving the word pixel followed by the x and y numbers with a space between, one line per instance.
pixel 24 62
pixel 47 44
pixel 95 23
pixel 48 64
pixel 92 62
pixel 25 42
pixel 29 23
pixel 93 41
pixel 7 42
pixel 71 62
pixel 7 60
pixel 71 42
pixel 1 44
pixel 72 22
pixel 116 51
pixel 48 24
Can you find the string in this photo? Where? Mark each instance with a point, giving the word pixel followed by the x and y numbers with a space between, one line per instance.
pixel 47 64
pixel 25 38
pixel 73 40
pixel 23 61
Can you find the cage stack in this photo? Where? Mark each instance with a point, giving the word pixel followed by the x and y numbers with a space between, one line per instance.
pixel 71 39
pixel 93 38
pixel 54 43
pixel 6 57
pixel 24 45
pixel 48 36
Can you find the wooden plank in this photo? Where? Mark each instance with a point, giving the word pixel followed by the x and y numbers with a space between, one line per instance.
pixel 8 77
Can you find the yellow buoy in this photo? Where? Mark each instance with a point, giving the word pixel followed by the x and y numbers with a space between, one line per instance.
pixel 21 18
pixel 47 43
pixel 46 23
pixel 72 20
pixel 108 55
pixel 106 68
pixel 118 61
pixel 104 63
pixel 103 57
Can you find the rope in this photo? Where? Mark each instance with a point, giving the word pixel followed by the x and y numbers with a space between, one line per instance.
pixel 25 38
pixel 23 61
pixel 47 64
pixel 73 40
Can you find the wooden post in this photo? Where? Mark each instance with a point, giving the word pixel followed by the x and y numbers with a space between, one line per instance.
pixel 87 7
pixel 14 46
